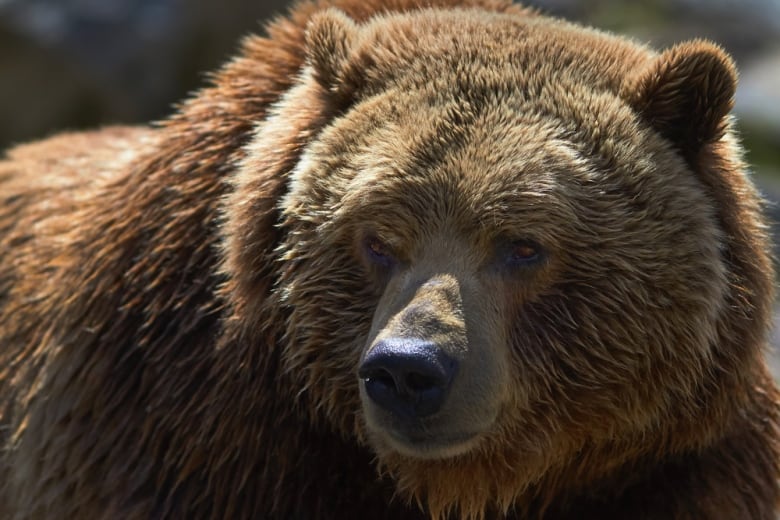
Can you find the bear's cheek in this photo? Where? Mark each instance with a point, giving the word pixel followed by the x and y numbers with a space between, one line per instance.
pixel 433 376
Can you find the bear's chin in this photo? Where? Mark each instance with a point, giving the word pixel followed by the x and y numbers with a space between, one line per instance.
pixel 465 479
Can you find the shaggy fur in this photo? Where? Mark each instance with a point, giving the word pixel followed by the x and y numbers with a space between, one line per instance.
pixel 185 307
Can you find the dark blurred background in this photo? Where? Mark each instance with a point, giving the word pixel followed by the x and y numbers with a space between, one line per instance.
pixel 69 64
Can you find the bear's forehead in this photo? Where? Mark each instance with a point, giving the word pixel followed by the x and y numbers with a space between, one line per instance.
pixel 484 177
pixel 486 150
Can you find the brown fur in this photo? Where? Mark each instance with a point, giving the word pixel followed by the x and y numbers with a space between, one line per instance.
pixel 185 307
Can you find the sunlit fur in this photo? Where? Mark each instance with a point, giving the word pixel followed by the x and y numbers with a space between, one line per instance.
pixel 184 307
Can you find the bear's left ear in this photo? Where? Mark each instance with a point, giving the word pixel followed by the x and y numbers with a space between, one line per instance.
pixel 686 93
pixel 330 36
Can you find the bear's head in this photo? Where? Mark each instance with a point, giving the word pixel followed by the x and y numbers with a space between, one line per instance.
pixel 500 250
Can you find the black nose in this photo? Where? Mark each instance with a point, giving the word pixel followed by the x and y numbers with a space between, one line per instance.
pixel 409 377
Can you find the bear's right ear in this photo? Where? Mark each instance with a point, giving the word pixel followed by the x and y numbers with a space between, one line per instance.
pixel 686 93
pixel 330 36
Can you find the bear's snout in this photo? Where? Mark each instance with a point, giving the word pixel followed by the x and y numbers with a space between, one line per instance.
pixel 408 377
pixel 430 380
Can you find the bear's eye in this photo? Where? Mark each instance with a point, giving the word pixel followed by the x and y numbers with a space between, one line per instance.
pixel 379 252
pixel 523 253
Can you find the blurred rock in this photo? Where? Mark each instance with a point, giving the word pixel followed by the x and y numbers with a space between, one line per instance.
pixel 743 27
pixel 758 97
pixel 75 63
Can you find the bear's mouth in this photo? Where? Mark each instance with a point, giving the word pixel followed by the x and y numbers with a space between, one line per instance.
pixel 421 443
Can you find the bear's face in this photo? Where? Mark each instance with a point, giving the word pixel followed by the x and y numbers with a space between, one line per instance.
pixel 487 257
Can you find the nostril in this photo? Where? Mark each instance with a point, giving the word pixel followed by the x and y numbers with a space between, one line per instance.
pixel 421 382
pixel 382 377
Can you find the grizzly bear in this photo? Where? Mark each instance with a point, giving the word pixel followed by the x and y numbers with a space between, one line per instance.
pixel 402 259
